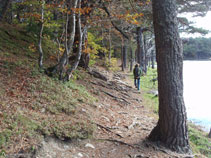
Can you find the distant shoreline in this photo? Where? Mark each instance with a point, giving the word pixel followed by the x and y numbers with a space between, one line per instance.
pixel 201 124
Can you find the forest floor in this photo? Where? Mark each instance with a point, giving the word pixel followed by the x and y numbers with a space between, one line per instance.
pixel 42 117
pixel 123 124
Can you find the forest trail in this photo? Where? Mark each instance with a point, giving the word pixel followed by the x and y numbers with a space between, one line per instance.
pixel 122 121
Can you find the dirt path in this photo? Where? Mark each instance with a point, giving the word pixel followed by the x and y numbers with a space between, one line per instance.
pixel 122 122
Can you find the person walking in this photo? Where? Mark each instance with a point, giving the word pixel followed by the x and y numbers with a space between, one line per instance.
pixel 137 71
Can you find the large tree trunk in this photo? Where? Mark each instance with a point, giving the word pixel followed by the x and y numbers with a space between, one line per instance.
pixel 171 129
pixel 140 47
pixel 145 54
pixel 125 55
pixel 122 55
pixel 131 58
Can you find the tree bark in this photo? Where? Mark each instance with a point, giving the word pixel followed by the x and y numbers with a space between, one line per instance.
pixel 59 68
pixel 110 45
pixel 145 54
pixel 153 59
pixel 131 58
pixel 171 129
pixel 79 51
pixel 122 55
pixel 40 60
pixel 125 55
pixel 4 5
pixel 85 57
pixel 140 47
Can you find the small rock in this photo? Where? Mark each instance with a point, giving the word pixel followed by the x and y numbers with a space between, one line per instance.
pixel 79 155
pixel 66 147
pixel 42 110
pixel 154 92
pixel 100 105
pixel 83 110
pixel 134 124
pixel 89 146
pixel 106 118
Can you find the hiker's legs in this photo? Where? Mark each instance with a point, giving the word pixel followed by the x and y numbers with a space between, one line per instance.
pixel 138 84
pixel 135 82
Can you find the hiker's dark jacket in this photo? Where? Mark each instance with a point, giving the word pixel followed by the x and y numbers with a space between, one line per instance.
pixel 137 72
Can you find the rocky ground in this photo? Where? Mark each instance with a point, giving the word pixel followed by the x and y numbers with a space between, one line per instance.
pixel 122 125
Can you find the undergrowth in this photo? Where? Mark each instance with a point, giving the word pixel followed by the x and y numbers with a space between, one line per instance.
pixel 200 142
pixel 33 105
pixel 149 87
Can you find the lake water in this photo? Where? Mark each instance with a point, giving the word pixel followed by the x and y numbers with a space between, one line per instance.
pixel 197 92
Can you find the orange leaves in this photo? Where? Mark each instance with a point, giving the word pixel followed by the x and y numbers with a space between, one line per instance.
pixel 53 57
pixel 36 16
pixel 130 18
pixel 84 10
pixel 87 50
pixel 145 3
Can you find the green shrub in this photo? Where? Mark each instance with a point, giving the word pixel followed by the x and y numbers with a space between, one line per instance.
pixel 199 142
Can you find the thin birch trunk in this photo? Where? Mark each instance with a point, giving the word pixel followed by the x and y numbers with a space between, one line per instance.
pixel 79 51
pixel 40 61
pixel 73 30
pixel 68 42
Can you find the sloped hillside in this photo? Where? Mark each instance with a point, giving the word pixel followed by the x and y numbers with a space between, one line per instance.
pixel 32 105
pixel 43 117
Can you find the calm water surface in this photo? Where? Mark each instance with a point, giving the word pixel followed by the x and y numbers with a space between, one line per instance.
pixel 197 91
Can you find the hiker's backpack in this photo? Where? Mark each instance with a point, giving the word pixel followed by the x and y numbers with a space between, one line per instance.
pixel 137 72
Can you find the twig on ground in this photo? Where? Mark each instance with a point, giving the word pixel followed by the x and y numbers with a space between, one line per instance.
pixel 107 129
pixel 118 141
